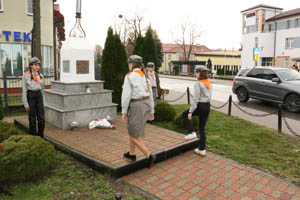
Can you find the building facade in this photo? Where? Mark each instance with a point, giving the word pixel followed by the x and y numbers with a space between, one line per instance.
pixel 270 36
pixel 224 60
pixel 174 52
pixel 16 18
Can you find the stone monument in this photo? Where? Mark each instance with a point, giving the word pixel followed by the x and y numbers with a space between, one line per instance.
pixel 77 97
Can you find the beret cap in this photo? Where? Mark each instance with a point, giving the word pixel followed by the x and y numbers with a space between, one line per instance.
pixel 34 61
pixel 201 68
pixel 135 59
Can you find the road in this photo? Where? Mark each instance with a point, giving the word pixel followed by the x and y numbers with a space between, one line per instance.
pixel 221 92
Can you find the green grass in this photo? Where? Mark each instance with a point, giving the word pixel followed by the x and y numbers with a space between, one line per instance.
pixel 69 179
pixel 251 144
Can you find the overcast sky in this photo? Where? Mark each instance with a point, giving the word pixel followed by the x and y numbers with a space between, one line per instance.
pixel 219 20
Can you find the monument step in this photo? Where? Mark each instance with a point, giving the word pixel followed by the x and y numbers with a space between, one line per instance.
pixel 65 101
pixel 78 87
pixel 63 118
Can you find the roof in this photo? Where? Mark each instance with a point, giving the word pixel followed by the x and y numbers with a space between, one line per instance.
pixel 262 5
pixel 176 48
pixel 285 14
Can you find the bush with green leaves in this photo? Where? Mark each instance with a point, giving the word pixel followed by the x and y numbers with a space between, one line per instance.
pixel 7 130
pixel 24 156
pixel 178 121
pixel 164 111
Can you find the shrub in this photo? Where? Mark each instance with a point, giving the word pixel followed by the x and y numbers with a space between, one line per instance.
pixel 178 121
pixel 7 130
pixel 24 156
pixel 164 111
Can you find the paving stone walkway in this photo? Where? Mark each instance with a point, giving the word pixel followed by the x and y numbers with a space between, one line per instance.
pixel 191 177
pixel 187 176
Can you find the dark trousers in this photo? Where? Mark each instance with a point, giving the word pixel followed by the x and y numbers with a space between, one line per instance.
pixel 202 111
pixel 36 106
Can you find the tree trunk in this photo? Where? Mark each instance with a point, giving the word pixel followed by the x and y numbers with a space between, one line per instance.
pixel 36 30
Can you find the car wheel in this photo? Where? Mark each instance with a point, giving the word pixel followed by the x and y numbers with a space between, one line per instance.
pixel 292 103
pixel 242 94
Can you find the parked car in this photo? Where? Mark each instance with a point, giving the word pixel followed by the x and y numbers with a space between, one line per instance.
pixel 273 84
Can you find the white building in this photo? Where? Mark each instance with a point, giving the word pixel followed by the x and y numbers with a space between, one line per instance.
pixel 271 34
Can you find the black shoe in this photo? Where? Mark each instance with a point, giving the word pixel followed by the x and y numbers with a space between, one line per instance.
pixel 151 160
pixel 131 157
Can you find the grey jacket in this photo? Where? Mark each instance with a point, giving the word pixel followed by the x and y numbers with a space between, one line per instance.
pixel 201 94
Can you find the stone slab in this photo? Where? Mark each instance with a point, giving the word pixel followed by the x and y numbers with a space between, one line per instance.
pixel 62 118
pixel 65 101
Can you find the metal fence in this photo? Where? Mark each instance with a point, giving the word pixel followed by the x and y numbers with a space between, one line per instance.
pixel 11 90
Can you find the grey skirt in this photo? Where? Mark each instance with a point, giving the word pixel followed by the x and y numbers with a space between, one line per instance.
pixel 138 114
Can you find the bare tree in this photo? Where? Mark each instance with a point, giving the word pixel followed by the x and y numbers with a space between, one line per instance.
pixel 189 37
pixel 129 29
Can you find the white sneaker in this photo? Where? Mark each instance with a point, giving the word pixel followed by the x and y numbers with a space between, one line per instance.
pixel 201 153
pixel 190 136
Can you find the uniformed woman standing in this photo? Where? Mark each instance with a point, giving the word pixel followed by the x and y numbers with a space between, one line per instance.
pixel 33 84
pixel 200 107
pixel 138 106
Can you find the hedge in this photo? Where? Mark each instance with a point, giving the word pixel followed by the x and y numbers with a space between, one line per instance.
pixel 164 111
pixel 7 130
pixel 24 156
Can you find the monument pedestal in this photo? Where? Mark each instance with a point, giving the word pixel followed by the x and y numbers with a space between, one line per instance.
pixel 68 102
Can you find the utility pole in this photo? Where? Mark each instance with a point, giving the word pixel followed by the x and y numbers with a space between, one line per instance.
pixel 36 30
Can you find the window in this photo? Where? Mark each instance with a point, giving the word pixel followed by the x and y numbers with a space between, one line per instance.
pixel 297 23
pixel 17 61
pixel 169 56
pixel 289 43
pixel 256 73
pixel 269 74
pixel 11 59
pixel 281 25
pixel 288 24
pixel 271 27
pixel 5 50
pixel 46 60
pixel 26 56
pixel 292 42
pixel 29 7
pixel 1 5
pixel 266 61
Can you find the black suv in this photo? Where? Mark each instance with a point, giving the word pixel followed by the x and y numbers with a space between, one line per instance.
pixel 274 84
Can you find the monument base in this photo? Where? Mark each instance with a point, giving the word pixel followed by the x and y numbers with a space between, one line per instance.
pixel 80 102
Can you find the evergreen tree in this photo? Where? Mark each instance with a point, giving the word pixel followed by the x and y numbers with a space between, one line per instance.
pixel 1 108
pixel 149 50
pixel 114 65
pixel 138 47
pixel 158 45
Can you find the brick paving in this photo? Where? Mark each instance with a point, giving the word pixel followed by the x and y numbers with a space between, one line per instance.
pixel 108 145
pixel 190 176
pixel 186 176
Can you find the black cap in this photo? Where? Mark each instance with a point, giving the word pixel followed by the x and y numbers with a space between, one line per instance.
pixel 201 68
pixel 135 59
pixel 150 64
pixel 34 61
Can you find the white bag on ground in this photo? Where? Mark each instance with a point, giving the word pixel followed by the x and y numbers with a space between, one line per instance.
pixel 100 123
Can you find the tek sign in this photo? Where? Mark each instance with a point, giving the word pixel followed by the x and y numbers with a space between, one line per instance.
pixel 16 36
pixel 256 53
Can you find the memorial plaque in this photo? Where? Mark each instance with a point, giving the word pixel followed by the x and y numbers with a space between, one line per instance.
pixel 82 66
pixel 66 66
